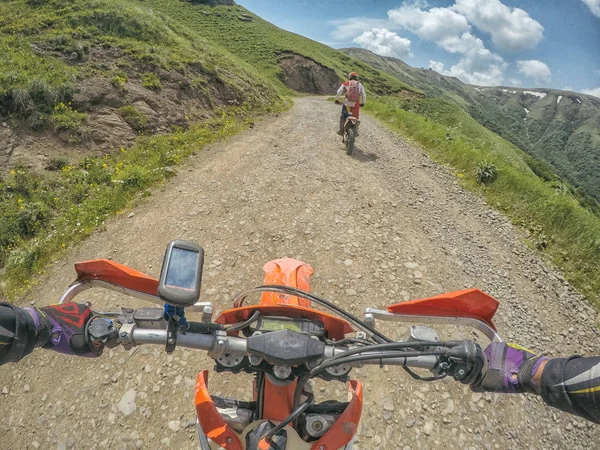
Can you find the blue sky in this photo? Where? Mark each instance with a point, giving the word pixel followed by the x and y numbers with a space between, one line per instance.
pixel 528 43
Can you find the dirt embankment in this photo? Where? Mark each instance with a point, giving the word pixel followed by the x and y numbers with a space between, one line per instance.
pixel 307 76
pixel 121 100
pixel 384 225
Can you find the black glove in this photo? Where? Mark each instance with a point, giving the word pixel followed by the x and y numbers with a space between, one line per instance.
pixel 64 328
pixel 337 102
pixel 362 105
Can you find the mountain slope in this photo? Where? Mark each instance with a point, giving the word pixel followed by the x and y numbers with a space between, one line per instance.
pixel 267 47
pixel 560 127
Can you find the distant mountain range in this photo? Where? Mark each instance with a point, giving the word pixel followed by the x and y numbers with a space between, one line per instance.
pixel 560 127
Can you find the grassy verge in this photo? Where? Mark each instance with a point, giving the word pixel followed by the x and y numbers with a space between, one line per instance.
pixel 558 225
pixel 42 214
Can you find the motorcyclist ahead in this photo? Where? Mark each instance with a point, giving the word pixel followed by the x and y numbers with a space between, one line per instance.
pixel 355 97
pixel 570 384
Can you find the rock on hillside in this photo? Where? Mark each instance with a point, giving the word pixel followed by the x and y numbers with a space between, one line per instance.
pixel 560 127
pixel 305 75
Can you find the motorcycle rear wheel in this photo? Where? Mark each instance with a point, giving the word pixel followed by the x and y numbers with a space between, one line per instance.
pixel 350 137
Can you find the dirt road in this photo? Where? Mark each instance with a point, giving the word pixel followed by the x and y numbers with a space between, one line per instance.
pixel 287 188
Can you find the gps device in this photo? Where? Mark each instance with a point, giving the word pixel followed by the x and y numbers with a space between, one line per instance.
pixel 181 273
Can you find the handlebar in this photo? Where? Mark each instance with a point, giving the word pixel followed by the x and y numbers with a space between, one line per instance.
pixel 432 355
pixel 217 345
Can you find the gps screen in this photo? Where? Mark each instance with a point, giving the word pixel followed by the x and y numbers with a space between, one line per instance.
pixel 181 272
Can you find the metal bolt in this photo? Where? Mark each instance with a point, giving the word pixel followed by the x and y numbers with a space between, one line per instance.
pixel 461 373
pixel 254 360
pixel 311 364
pixel 282 372
pixel 229 440
pixel 123 335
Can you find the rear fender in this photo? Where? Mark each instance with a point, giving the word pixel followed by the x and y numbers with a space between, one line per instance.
pixel 351 121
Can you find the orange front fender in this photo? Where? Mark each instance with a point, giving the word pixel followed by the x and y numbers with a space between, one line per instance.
pixel 286 272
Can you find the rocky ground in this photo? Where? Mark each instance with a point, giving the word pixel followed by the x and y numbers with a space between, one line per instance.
pixel 384 225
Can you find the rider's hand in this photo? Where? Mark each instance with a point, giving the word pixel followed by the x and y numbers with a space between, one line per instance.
pixel 337 102
pixel 63 327
pixel 362 105
pixel 511 369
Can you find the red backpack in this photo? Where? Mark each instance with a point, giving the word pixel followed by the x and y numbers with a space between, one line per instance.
pixel 353 91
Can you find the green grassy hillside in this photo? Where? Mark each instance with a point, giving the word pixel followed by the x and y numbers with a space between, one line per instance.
pixel 49 51
pixel 263 45
pixel 50 45
pixel 524 188
pixel 560 127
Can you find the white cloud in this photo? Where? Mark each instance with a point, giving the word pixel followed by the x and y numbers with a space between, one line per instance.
pixel 477 65
pixel 437 66
pixel 535 70
pixel 595 92
pixel 594 6
pixel 434 24
pixel 355 26
pixel 451 28
pixel 512 29
pixel 384 42
pixel 480 69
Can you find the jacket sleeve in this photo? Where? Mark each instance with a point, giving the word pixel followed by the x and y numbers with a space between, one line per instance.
pixel 573 385
pixel 363 94
pixel 18 335
pixel 340 91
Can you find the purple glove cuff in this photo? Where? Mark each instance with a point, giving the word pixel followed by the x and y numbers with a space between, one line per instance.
pixel 59 335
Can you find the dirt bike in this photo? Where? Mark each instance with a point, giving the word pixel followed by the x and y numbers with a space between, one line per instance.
pixel 350 126
pixel 284 341
pixel 350 131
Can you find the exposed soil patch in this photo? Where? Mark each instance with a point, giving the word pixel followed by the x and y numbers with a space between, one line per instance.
pixel 305 75
pixel 178 98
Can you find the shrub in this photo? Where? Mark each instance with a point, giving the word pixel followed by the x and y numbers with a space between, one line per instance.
pixel 136 120
pixel 43 95
pixel 486 173
pixel 57 163
pixel 21 102
pixel 66 118
pixel 32 217
pixel 151 81
pixel 118 79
